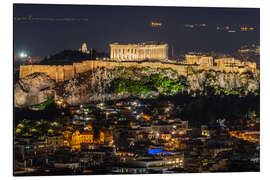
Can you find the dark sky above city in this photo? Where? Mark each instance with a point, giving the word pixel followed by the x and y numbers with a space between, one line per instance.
pixel 129 24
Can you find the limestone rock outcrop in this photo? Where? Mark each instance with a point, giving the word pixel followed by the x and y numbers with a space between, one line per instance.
pixel 226 80
pixel 97 85
pixel 33 89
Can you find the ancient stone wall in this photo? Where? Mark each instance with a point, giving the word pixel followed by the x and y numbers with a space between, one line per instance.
pixel 66 72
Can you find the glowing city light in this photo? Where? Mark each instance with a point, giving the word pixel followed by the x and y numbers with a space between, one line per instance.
pixel 23 55
pixel 156 24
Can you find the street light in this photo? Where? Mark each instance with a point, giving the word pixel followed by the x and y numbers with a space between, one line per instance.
pixel 23 55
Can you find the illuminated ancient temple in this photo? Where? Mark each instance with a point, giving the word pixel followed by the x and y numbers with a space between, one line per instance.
pixel 141 51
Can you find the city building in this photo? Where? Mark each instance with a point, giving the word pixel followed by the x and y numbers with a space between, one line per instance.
pixel 138 52
pixel 245 28
pixel 80 138
pixel 84 48
pixel 105 136
pixel 249 49
pixel 249 64
pixel 55 141
pixel 205 131
pixel 227 62
pixel 200 60
pixel 166 162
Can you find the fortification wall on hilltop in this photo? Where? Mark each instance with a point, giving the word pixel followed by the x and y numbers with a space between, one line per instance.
pixel 66 72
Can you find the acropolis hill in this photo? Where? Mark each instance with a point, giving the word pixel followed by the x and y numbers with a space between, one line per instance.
pixel 139 56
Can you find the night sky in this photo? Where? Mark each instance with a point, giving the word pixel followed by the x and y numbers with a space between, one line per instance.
pixel 129 24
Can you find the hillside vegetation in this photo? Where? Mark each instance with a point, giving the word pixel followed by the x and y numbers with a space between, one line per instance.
pixel 109 84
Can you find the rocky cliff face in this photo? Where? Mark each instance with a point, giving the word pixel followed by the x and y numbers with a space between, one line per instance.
pixel 246 82
pixel 33 89
pixel 99 85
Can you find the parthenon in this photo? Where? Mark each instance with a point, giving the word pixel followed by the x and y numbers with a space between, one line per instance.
pixel 142 51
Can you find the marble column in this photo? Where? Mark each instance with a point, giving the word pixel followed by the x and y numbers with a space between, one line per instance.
pixel 122 55
pixel 119 52
pixel 127 53
pixel 111 54
pixel 144 53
